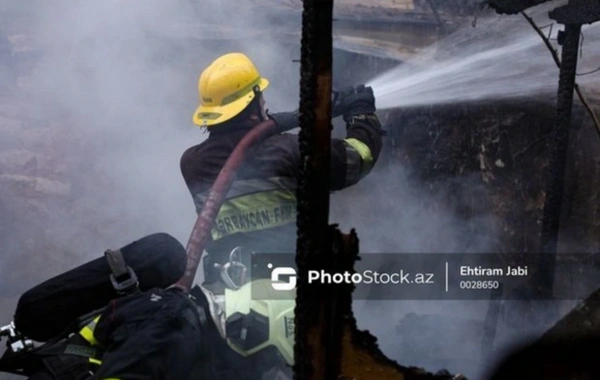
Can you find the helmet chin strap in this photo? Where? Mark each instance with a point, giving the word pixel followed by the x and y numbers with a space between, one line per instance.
pixel 261 104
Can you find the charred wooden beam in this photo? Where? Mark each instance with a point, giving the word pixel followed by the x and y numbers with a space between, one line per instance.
pixel 558 158
pixel 317 348
pixel 327 343
pixel 569 39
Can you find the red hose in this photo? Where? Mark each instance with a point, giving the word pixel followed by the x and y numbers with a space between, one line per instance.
pixel 212 205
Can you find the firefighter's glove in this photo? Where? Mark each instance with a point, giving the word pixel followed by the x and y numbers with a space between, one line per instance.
pixel 285 120
pixel 354 101
pixel 338 101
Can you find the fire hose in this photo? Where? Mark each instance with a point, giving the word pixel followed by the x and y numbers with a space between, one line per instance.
pixel 216 197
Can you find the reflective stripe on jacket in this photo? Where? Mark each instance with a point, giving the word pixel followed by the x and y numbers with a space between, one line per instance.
pixel 87 333
pixel 253 205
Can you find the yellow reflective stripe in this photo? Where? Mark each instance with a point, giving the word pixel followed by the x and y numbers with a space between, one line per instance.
pixel 364 152
pixel 250 186
pixel 255 212
pixel 95 361
pixel 88 331
pixel 88 334
pixel 241 92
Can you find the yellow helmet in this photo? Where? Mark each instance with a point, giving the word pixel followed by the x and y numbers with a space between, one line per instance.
pixel 256 324
pixel 226 87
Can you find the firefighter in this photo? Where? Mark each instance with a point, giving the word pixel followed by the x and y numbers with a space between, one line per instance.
pixel 223 333
pixel 259 212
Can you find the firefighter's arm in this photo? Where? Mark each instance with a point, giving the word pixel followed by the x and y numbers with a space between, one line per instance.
pixel 353 157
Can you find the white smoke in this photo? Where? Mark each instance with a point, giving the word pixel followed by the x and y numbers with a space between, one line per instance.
pixel 116 86
pixel 125 72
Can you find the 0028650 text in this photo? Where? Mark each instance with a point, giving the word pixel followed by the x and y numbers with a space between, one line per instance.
pixel 479 285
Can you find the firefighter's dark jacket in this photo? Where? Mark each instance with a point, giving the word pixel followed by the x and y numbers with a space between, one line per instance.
pixel 260 209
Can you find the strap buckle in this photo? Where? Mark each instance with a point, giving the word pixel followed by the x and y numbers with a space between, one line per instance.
pixel 123 278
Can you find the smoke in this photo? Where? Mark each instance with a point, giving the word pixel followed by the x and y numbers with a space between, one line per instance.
pixel 392 213
pixel 124 73
pixel 121 79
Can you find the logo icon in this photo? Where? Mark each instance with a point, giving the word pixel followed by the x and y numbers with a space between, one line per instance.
pixel 278 272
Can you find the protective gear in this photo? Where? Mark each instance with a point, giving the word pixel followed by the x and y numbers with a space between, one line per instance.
pixel 226 88
pixel 353 101
pixel 157 334
pixel 65 357
pixel 258 317
pixel 80 358
pixel 232 360
pixel 166 334
pixel 64 367
pixel 338 105
pixel 259 211
pixel 156 260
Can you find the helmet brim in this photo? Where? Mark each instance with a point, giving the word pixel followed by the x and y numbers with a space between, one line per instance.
pixel 209 116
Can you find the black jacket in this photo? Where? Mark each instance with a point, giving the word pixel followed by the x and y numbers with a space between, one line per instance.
pixel 260 209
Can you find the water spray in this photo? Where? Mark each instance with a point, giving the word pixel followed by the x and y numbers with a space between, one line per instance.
pixel 503 59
